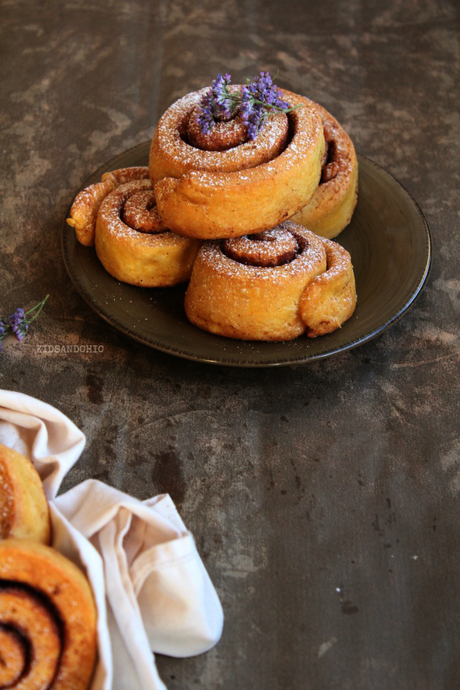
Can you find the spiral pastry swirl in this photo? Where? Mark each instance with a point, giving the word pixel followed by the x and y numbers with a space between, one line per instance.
pixel 47 620
pixel 331 207
pixel 274 247
pixel 85 207
pixel 235 186
pixel 133 243
pixel 24 510
pixel 229 133
pixel 274 286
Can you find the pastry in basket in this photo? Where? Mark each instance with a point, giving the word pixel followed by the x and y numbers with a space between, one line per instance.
pixel 331 207
pixel 47 619
pixel 134 245
pixel 274 285
pixel 85 207
pixel 24 512
pixel 233 160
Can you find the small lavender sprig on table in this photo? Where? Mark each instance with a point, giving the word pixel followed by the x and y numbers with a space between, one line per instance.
pixel 18 323
pixel 255 101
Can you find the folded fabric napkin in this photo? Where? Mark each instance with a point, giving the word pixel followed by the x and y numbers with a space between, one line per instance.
pixel 152 591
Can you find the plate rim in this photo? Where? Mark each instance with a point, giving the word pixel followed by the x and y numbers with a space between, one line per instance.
pixel 66 245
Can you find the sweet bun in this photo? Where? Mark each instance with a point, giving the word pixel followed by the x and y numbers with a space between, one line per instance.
pixel 329 300
pixel 85 207
pixel 47 619
pixel 134 245
pixel 24 512
pixel 247 187
pixel 331 207
pixel 272 286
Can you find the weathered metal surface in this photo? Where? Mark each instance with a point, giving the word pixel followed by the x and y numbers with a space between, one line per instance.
pixel 324 498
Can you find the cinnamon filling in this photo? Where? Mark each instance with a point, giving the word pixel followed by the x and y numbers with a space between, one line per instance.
pixel 140 212
pixel 25 613
pixel 223 135
pixel 331 164
pixel 267 249
pixel 15 656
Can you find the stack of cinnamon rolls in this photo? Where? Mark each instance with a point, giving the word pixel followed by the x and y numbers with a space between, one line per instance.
pixel 248 223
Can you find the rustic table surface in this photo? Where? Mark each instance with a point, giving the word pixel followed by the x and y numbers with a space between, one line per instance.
pixel 323 497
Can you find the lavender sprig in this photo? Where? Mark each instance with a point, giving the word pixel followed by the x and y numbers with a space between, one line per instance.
pixel 217 104
pixel 18 323
pixel 258 97
pixel 255 101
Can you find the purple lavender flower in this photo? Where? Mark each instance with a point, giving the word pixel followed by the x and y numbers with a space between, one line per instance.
pixel 222 97
pixel 205 117
pixel 217 103
pixel 263 90
pixel 252 114
pixel 19 322
pixel 255 101
pixel 258 98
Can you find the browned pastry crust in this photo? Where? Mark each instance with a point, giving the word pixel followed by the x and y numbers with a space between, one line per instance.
pixel 243 188
pixel 84 210
pixel 274 286
pixel 331 207
pixel 24 510
pixel 133 244
pixel 124 175
pixel 47 619
pixel 329 300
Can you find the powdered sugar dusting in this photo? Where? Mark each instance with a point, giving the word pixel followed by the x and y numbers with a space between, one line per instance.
pixel 176 156
pixel 274 247
pixel 124 175
pixel 110 218
pixel 254 302
pixel 310 259
pixel 140 213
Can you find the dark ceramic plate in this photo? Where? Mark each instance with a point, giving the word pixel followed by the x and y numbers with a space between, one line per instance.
pixel 389 243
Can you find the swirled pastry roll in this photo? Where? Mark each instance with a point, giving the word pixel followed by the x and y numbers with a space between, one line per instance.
pixel 84 210
pixel 24 510
pixel 235 186
pixel 274 285
pixel 331 207
pixel 47 620
pixel 329 300
pixel 134 245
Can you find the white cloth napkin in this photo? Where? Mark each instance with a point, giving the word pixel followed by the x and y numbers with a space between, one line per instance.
pixel 151 588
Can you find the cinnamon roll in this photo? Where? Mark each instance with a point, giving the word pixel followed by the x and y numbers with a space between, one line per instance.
pixel 83 212
pixel 134 245
pixel 274 285
pixel 231 185
pixel 47 620
pixel 331 207
pixel 24 512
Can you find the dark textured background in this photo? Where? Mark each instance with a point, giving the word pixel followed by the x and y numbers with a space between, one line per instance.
pixel 324 498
